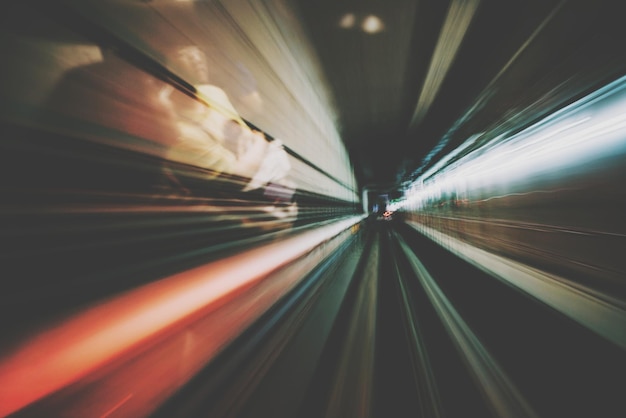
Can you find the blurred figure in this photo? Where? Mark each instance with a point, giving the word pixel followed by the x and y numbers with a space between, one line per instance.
pixel 214 139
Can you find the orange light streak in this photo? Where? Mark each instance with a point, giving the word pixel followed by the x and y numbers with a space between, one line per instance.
pixel 66 352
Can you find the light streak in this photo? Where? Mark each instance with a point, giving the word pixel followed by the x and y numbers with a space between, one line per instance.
pixel 65 353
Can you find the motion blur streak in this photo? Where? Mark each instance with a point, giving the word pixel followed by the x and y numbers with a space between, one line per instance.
pixel 549 197
pixel 579 134
pixel 459 17
pixel 83 343
pixel 497 387
pixel 312 209
pixel 353 381
pixel 598 312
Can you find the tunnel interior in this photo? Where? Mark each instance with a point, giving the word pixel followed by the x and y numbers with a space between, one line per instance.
pixel 286 208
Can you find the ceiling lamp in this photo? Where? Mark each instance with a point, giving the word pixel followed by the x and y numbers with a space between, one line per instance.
pixel 372 24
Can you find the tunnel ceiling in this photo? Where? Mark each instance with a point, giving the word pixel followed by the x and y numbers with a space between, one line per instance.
pixel 430 74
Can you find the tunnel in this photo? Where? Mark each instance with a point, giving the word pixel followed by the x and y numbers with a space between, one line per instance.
pixel 303 209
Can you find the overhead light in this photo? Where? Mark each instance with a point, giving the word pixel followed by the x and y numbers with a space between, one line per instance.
pixel 347 21
pixel 372 24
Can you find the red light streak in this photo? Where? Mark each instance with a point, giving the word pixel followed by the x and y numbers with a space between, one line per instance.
pixel 70 350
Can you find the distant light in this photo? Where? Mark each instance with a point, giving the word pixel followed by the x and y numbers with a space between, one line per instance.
pixel 347 21
pixel 372 24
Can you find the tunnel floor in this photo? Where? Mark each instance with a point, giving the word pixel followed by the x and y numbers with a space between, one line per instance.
pixel 391 324
pixel 398 326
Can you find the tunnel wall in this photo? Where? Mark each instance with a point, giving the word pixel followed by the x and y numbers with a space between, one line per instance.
pixel 550 195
